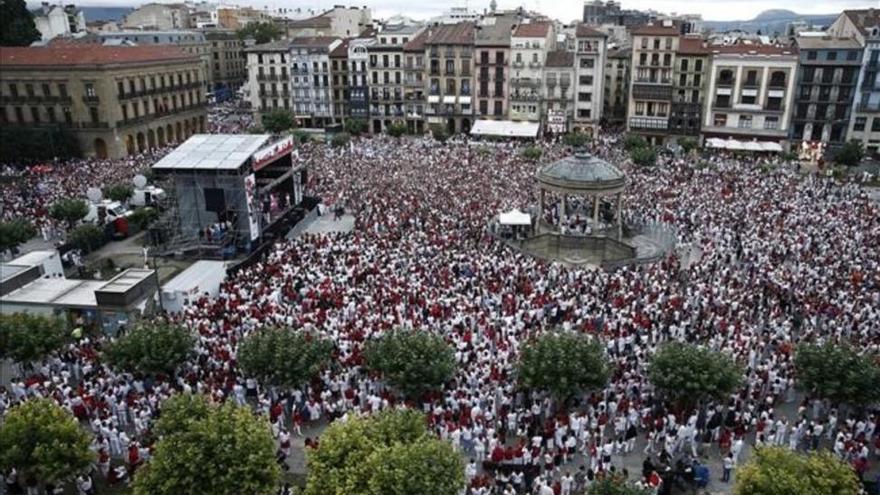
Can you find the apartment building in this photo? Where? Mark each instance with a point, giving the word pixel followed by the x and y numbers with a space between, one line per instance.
pixel 558 91
pixel 529 45
pixel 689 79
pixel 358 70
pixel 651 86
pixel 616 86
pixel 492 66
pixel 228 63
pixel 414 83
pixel 864 27
pixel 589 63
pixel 449 54
pixel 311 87
pixel 340 81
pixel 386 73
pixel 269 77
pixel 58 20
pixel 117 101
pixel 161 16
pixel 750 94
pixel 339 22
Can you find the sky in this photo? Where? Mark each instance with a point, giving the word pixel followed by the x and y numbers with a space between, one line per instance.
pixel 563 10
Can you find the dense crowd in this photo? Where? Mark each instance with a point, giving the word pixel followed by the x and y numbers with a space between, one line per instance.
pixel 781 257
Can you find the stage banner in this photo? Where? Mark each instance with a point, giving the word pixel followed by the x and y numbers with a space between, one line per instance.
pixel 253 210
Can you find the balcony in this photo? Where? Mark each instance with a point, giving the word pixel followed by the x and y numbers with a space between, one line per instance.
pixel 649 123
pixel 94 125
pixel 527 82
pixel 535 65
pixel 268 77
pixel 91 99
pixel 651 92
pixel 525 97
pixel 868 108
pixel 518 65
pixel 725 83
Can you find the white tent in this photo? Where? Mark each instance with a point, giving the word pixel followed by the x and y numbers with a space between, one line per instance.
pixel 515 217
pixel 770 146
pixel 752 146
pixel 504 128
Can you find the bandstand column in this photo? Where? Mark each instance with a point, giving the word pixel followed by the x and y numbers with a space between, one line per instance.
pixel 541 206
pixel 619 216
pixel 595 214
pixel 562 210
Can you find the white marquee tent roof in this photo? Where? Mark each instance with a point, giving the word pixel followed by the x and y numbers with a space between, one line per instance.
pixel 505 128
pixel 213 152
pixel 515 217
pixel 733 144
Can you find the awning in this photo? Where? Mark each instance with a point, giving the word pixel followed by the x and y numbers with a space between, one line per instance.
pixel 771 146
pixel 733 144
pixel 464 100
pixel 505 128
pixel 449 99
pixel 515 217
pixel 433 99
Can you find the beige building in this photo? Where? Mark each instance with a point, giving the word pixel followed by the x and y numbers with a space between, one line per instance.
pixel 650 93
pixel 414 83
pixel 117 101
pixel 616 87
pixel 492 47
pixel 269 76
pixel 589 63
pixel 386 75
pixel 449 52
pixel 340 22
pixel 529 45
pixel 228 63
pixel 162 16
pixel 558 91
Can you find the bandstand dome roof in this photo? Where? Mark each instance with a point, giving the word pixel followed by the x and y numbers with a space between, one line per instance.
pixel 582 173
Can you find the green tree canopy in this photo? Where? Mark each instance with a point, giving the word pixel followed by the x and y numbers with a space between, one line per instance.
pixel 151 348
pixel 576 139
pixel 781 471
pixel 837 372
pixel 224 451
pixel 440 133
pixel 390 453
pixel 688 144
pixel 278 121
pixel 355 127
pixel 17 26
pixel 633 141
pixel 645 156
pixel 44 443
pixel 143 217
pixel 120 191
pixel 532 153
pixel 87 237
pixel 412 362
pixel 261 32
pixel 396 129
pixel 26 337
pixel 282 357
pixel 14 233
pixel 341 139
pixel 563 364
pixel 850 154
pixel 614 486
pixel 69 210
pixel 686 373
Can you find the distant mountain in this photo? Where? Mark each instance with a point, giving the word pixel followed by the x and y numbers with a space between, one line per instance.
pixel 105 13
pixel 770 22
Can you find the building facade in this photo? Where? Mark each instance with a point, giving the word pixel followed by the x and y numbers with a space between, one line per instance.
pixel 616 87
pixel 492 66
pixel 590 53
pixel 117 101
pixel 228 62
pixel 449 54
pixel 386 73
pixel 689 79
pixel 56 20
pixel 558 91
pixel 339 22
pixel 359 73
pixel 529 45
pixel 750 94
pixel 269 77
pixel 414 83
pixel 161 16
pixel 193 42
pixel 650 93
pixel 340 81
pixel 311 86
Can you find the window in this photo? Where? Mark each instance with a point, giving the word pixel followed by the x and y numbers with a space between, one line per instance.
pixel 745 122
pixel 751 78
pixel 774 103
pixel 852 55
pixel 584 113
pixel 587 63
pixel 90 90
pixel 484 107
pixel 811 55
pixel 50 112
pixel 93 113
pixel 35 114
pixel 585 97
pixel 720 120
pixel 859 124
pixel 771 122
pixel 777 79
pixel 13 90
pixel 644 43
pixel 68 116
pixel 725 77
pixel 698 65
pixel 585 80
pixel 29 89
pixel 684 64
pixel 19 115
pixel 831 56
pixel 643 59
pixel 875 124
pixel 498 108
pixel 669 43
pixel 120 88
pixel 62 90
pixel 748 99
pixel 722 101
pixel 46 90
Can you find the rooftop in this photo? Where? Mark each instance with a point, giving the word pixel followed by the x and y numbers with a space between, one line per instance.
pixel 752 49
pixel 272 46
pixel 582 172
pixel 864 19
pixel 495 34
pixel 89 55
pixel 584 31
pixel 313 41
pixel 341 50
pixel 533 30
pixel 560 58
pixel 416 44
pixel 461 33
pixel 655 30
pixel 213 152
pixel 692 46
pixel 826 43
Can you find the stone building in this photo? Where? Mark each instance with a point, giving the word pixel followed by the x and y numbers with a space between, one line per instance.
pixel 386 75
pixel 492 66
pixel 616 87
pixel 414 83
pixel 57 20
pixel 449 52
pixel 340 81
pixel 193 42
pixel 529 45
pixel 339 21
pixel 269 77
pixel 117 101
pixel 311 89
pixel 161 16
pixel 359 90
pixel 650 94
pixel 590 53
pixel 689 79
pixel 228 62
pixel 558 91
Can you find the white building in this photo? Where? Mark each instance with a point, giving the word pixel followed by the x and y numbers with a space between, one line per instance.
pixel 529 45
pixel 311 87
pixel 455 15
pixel 269 77
pixel 340 21
pixel 590 53
pixel 56 20
pixel 163 16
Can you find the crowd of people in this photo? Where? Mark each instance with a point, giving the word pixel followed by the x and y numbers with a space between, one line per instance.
pixel 783 257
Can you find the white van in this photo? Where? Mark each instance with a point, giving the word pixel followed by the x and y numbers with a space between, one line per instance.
pixel 106 211
pixel 147 196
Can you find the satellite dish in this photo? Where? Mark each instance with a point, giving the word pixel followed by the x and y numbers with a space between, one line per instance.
pixel 139 181
pixel 94 194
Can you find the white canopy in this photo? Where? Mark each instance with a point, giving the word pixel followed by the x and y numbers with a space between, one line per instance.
pixel 515 217
pixel 506 128
pixel 733 144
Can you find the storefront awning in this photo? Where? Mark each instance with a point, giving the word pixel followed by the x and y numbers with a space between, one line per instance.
pixel 733 144
pixel 505 128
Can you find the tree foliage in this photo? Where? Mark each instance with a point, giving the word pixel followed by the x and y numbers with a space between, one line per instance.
pixel 87 237
pixel 837 372
pixel 687 373
pixel 633 141
pixel 645 157
pixel 688 144
pixel 355 127
pixel 781 471
pixel 69 210
pixel 120 191
pixel 614 486
pixel 282 357
pixel 396 129
pixel 440 133
pixel 151 348
pixel 17 26
pixel 31 144
pixel 224 451
pixel 143 217
pixel 341 139
pixel 261 32
pixel 576 139
pixel 850 154
pixel 532 153
pixel 390 453
pixel 14 233
pixel 43 442
pixel 278 121
pixel 26 337
pixel 180 412
pixel 412 362
pixel 563 364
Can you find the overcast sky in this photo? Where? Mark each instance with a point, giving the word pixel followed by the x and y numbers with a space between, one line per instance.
pixel 564 10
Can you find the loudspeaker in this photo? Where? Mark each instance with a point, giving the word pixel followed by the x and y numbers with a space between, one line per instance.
pixel 215 200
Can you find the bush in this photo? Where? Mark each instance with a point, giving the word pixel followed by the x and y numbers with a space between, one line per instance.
pixel 119 192
pixel 688 144
pixel 778 470
pixel 69 211
pixel 301 136
pixel 439 133
pixel 645 157
pixel 143 217
pixel 283 357
pixel 575 139
pixel 412 362
pixel 355 127
pixel 25 337
pixel 396 129
pixel 563 364
pixel 341 139
pixel 850 154
pixel 532 153
pixel 632 141
pixel 14 233
pixel 151 348
pixel 87 237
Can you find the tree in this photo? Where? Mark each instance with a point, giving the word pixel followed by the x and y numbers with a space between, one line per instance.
pixel 341 139
pixel 412 362
pixel 301 136
pixel 688 144
pixel 575 139
pixel 261 32
pixel 44 443
pixel 281 357
pixel 355 127
pixel 225 451
pixel 69 210
pixel 120 191
pixel 143 217
pixel 563 364
pixel 440 133
pixel 151 348
pixel 278 121
pixel 632 141
pixel 615 486
pixel 850 154
pixel 180 412
pixel 26 337
pixel 687 373
pixel 389 453
pixel 645 157
pixel 87 237
pixel 532 153
pixel 780 471
pixel 837 372
pixel 14 233
pixel 17 26
pixel 396 129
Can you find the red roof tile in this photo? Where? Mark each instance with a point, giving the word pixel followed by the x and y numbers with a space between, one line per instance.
pixel 584 31
pixel 532 30
pixel 755 49
pixel 655 30
pixel 560 58
pixel 416 44
pixel 89 55
pixel 692 46
pixel 341 50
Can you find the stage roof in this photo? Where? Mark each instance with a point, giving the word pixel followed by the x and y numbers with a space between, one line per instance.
pixel 213 152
